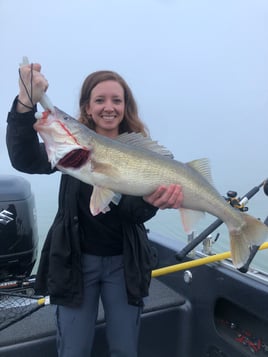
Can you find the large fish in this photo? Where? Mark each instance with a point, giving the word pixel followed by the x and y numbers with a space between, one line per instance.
pixel 134 165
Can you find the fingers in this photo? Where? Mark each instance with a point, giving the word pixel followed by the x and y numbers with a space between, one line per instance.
pixel 166 197
pixel 32 84
pixel 35 66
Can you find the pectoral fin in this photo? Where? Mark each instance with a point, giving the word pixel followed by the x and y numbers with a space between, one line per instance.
pixel 101 198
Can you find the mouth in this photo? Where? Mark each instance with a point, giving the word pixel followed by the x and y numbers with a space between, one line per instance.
pixel 108 117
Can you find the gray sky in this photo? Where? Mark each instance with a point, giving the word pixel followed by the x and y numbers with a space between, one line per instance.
pixel 198 70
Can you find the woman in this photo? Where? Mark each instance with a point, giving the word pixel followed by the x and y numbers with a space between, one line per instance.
pixel 85 258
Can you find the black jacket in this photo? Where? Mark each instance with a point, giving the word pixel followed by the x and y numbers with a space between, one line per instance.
pixel 59 273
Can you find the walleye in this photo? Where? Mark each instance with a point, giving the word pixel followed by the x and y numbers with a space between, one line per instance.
pixel 134 165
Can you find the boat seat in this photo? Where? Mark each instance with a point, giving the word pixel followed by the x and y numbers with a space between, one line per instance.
pixel 35 334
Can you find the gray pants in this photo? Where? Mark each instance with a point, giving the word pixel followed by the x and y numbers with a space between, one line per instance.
pixel 103 277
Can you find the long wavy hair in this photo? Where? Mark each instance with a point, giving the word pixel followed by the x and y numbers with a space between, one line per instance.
pixel 131 121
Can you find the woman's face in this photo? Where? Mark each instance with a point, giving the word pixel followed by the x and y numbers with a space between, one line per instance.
pixel 107 107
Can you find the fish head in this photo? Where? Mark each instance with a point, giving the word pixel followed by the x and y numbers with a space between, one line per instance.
pixel 67 141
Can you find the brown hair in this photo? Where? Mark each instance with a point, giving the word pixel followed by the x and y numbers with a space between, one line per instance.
pixel 131 121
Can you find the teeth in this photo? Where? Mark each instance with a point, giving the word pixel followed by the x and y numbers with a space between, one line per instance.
pixel 108 117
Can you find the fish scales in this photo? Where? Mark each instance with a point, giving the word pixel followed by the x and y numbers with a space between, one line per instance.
pixel 142 171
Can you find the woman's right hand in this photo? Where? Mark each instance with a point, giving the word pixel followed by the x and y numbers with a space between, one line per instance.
pixel 32 85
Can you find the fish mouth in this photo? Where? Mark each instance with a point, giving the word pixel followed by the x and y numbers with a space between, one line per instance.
pixel 41 119
pixel 75 158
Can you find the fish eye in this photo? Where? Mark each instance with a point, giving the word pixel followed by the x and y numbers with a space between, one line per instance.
pixel 66 118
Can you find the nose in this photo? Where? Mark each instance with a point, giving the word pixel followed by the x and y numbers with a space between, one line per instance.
pixel 108 107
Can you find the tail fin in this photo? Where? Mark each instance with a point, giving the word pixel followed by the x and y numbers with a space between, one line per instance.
pixel 254 233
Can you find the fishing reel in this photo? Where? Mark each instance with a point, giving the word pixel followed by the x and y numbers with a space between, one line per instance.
pixel 236 202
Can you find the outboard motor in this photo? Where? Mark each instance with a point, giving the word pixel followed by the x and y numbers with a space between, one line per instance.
pixel 18 228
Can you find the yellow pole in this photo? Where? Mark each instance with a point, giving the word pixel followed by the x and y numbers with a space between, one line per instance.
pixel 196 262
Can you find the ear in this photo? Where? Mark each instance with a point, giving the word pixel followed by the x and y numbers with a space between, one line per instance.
pixel 88 111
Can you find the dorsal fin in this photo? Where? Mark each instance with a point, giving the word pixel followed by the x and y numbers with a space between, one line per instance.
pixel 202 166
pixel 144 142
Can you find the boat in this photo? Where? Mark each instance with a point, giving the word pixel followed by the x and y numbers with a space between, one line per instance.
pixel 199 304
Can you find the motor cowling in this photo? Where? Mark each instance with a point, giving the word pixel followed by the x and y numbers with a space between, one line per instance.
pixel 18 227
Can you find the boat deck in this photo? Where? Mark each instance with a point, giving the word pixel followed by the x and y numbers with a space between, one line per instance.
pixel 216 312
pixel 35 335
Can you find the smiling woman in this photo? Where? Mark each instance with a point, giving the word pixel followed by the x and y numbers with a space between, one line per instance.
pixel 79 249
pixel 106 100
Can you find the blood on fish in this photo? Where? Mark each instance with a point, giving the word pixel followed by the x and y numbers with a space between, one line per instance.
pixel 75 158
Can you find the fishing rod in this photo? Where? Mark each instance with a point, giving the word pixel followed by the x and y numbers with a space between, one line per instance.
pixel 196 263
pixel 238 204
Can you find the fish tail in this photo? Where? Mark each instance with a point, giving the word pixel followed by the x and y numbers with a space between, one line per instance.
pixel 253 233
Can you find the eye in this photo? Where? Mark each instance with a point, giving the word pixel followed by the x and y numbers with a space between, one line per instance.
pixel 117 101
pixel 66 118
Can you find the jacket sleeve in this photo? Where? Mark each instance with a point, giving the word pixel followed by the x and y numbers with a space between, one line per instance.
pixel 25 152
pixel 135 209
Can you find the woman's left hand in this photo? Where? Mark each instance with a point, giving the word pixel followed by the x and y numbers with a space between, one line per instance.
pixel 166 197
